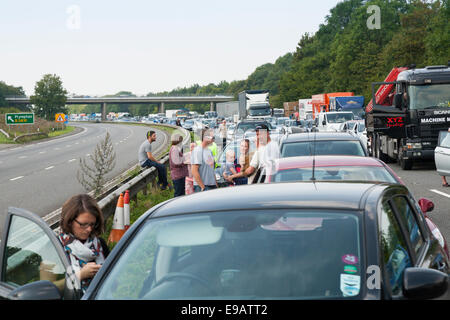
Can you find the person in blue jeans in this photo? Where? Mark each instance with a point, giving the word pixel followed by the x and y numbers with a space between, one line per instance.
pixel 146 159
pixel 202 162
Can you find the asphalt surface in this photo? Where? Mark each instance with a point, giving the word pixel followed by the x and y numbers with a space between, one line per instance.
pixel 424 182
pixel 40 176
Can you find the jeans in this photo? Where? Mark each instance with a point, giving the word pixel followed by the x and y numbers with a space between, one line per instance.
pixel 162 172
pixel 198 189
pixel 179 186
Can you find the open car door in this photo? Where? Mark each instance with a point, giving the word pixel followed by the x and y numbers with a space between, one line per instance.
pixel 33 263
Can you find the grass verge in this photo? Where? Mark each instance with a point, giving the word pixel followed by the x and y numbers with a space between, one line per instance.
pixel 138 208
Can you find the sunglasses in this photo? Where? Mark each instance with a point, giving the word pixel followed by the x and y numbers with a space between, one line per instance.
pixel 87 225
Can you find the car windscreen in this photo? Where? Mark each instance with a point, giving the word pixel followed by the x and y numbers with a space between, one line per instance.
pixel 323 148
pixel 250 254
pixel 245 126
pixel 361 127
pixel 429 96
pixel 339 117
pixel 260 111
pixel 330 173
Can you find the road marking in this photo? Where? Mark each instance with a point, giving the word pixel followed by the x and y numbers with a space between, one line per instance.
pixel 16 178
pixel 48 168
pixel 42 152
pixel 22 157
pixel 441 193
pixel 72 160
pixel 57 149
pixel 88 155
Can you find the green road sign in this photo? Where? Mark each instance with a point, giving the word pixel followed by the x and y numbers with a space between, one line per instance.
pixel 19 118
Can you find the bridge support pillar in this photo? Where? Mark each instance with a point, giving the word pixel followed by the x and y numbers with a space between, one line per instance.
pixel 162 108
pixel 212 106
pixel 103 111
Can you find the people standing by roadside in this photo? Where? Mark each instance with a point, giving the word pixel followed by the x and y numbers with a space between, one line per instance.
pixel 189 188
pixel 223 133
pixel 147 160
pixel 243 164
pixel 230 167
pixel 202 161
pixel 267 151
pixel 81 224
pixel 178 169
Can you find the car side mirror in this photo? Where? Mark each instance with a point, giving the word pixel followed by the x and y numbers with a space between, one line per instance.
pixel 324 122
pixel 421 283
pixel 426 205
pixel 398 100
pixel 38 290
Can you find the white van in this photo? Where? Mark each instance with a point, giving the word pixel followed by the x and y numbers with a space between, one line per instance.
pixel 331 121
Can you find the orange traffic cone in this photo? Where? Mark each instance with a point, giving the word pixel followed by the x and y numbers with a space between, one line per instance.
pixel 126 210
pixel 118 226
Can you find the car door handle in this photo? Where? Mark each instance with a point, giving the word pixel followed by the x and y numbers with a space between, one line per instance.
pixel 439 264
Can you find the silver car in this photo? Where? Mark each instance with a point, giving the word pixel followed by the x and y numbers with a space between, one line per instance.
pixel 442 154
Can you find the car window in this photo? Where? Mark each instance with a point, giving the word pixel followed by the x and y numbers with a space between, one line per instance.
pixel 345 173
pixel 257 254
pixel 30 256
pixel 332 147
pixel 444 139
pixel 408 217
pixel 395 254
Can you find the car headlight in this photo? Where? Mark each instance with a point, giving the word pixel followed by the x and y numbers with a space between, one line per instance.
pixel 415 145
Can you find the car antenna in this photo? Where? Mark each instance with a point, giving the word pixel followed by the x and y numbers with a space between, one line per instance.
pixel 313 152
pixel 313 178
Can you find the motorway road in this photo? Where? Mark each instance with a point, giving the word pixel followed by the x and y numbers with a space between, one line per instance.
pixel 40 176
pixel 424 182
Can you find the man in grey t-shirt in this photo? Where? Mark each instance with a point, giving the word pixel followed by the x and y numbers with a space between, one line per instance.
pixel 146 159
pixel 202 161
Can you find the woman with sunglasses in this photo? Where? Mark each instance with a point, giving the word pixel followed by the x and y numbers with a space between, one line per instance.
pixel 81 225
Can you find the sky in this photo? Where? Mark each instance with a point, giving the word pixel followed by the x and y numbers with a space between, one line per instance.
pixel 101 47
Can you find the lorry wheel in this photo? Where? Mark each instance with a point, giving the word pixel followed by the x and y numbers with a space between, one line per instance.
pixel 405 164
pixel 378 153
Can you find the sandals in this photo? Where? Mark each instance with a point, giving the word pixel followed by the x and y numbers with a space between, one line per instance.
pixel 445 185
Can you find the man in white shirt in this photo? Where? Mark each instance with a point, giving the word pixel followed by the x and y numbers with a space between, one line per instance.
pixel 266 152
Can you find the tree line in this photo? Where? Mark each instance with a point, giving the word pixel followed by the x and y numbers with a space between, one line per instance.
pixel 343 55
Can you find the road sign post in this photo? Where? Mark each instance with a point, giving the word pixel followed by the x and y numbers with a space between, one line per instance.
pixel 19 118
pixel 60 118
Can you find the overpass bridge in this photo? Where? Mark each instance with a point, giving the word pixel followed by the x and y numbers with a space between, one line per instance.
pixel 135 100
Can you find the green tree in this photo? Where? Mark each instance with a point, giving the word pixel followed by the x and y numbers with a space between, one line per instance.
pixel 7 90
pixel 93 176
pixel 437 40
pixel 49 97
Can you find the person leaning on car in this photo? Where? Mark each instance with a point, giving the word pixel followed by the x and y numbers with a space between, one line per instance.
pixel 266 151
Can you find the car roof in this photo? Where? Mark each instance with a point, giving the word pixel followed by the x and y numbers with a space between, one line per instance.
pixel 317 195
pixel 319 136
pixel 325 161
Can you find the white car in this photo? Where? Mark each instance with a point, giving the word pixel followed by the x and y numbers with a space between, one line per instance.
pixel 331 121
pixel 442 154
pixel 356 127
